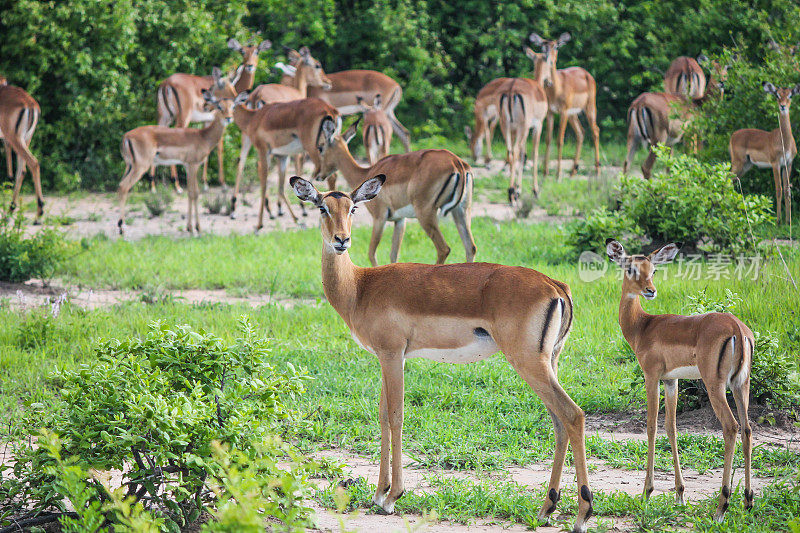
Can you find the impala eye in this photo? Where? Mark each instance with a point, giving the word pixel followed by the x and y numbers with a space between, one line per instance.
pixel 323 210
pixel 353 210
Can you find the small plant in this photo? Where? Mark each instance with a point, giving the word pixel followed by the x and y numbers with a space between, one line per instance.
pixel 217 204
pixel 159 201
pixel 591 233
pixel 40 324
pixel 524 206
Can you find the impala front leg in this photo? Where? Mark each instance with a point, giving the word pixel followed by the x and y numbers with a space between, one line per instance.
pixel 652 386
pixel 671 403
pixel 384 479
pixel 393 384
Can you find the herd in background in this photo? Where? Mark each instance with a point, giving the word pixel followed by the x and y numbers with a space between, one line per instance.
pixel 462 312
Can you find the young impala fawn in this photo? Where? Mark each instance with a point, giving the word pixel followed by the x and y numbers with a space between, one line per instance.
pixel 450 313
pixel 714 347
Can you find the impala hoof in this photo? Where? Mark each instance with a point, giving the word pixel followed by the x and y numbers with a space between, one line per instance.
pixel 205 187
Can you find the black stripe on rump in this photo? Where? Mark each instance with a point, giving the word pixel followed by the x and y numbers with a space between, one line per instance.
pixel 548 319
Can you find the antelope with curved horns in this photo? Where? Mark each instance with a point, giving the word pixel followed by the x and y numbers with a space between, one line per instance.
pixel 19 114
pixel 661 118
pixel 308 73
pixel 348 85
pixel 148 146
pixel 377 130
pixel 714 347
pixel 450 313
pixel 685 77
pixel 765 149
pixel 570 91
pixel 424 184
pixel 179 98
pixel 282 130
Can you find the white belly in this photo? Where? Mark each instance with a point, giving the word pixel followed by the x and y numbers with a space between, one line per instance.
pixel 158 161
pixel 683 372
pixel 202 116
pixel 574 110
pixel 293 148
pixel 407 211
pixel 350 109
pixel 478 349
pixel 761 164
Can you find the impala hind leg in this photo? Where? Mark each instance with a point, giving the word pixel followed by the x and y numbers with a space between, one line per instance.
pixel 591 117
pixel 378 223
pixel 263 172
pixel 537 136
pixel 562 130
pixel 776 174
pixel 9 161
pixel 193 194
pixel 132 175
pixel 716 395
pixel 430 223
pixel 550 119
pixel 243 153
pixel 787 196
pixel 537 372
pixel 397 239
pixel 462 216
pixel 220 161
pixel 647 166
pixel 742 396
pixel 384 474
pixel 575 123
pixel 671 402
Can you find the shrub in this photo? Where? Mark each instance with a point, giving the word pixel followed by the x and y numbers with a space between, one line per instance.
pixel 153 408
pixel 159 201
pixel 217 204
pixel 591 233
pixel 25 256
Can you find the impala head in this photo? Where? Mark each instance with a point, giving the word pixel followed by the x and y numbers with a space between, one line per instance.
pixel 249 53
pixel 549 48
pixel 541 66
pixel 224 106
pixel 718 73
pixel 783 94
pixel 337 208
pixel 639 269
pixel 304 62
pixel 330 142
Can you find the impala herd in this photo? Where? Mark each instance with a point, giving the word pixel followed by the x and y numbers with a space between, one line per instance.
pixel 455 313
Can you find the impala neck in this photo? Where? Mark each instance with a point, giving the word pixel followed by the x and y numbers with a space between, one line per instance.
pixel 245 81
pixel 213 132
pixel 243 117
pixel 339 281
pixel 630 314
pixel 785 127
pixel 352 172
pixel 555 79
pixel 300 82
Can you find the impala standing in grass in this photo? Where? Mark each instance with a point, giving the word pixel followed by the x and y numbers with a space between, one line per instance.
pixel 450 313
pixel 148 146
pixel 424 184
pixel 774 149
pixel 19 114
pixel 714 347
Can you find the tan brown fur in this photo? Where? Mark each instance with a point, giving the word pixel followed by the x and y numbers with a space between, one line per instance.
pixel 19 115
pixel 400 310
pixel 486 118
pixel 180 96
pixel 717 346
pixel 775 149
pixel 425 180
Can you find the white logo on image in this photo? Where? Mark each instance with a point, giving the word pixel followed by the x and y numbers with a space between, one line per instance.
pixel 591 266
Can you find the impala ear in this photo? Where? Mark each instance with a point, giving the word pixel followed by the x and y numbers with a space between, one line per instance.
pixel 702 58
pixel 769 88
pixel 241 98
pixel 665 254
pixel 209 97
pixel 368 190
pixel 616 252
pixel 286 69
pixel 235 45
pixel 305 190
pixel 293 55
pixel 266 44
pixel 536 39
pixel 796 90
pixel 564 38
pixel 530 53
pixel 351 131
pixel 305 52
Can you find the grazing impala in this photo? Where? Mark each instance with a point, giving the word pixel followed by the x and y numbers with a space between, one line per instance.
pixel 19 114
pixel 714 347
pixel 424 185
pixel 769 149
pixel 661 118
pixel 523 106
pixel 348 85
pixel 180 98
pixel 282 130
pixel 685 77
pixel 377 130
pixel 570 91
pixel 449 313
pixel 148 146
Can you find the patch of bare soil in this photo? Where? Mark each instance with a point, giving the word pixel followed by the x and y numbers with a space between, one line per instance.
pixel 703 421
pixel 34 293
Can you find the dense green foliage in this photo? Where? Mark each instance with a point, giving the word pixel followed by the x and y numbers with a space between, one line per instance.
pixel 152 409
pixel 94 65
pixel 691 202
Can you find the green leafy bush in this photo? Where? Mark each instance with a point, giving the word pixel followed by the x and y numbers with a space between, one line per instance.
pixel 159 201
pixel 152 409
pixel 25 255
pixel 591 232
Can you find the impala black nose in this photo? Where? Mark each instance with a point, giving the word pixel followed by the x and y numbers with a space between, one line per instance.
pixel 341 243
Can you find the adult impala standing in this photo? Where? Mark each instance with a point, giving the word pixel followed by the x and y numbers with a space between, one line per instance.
pixel 570 91
pixel 180 100
pixel 450 313
pixel 19 114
